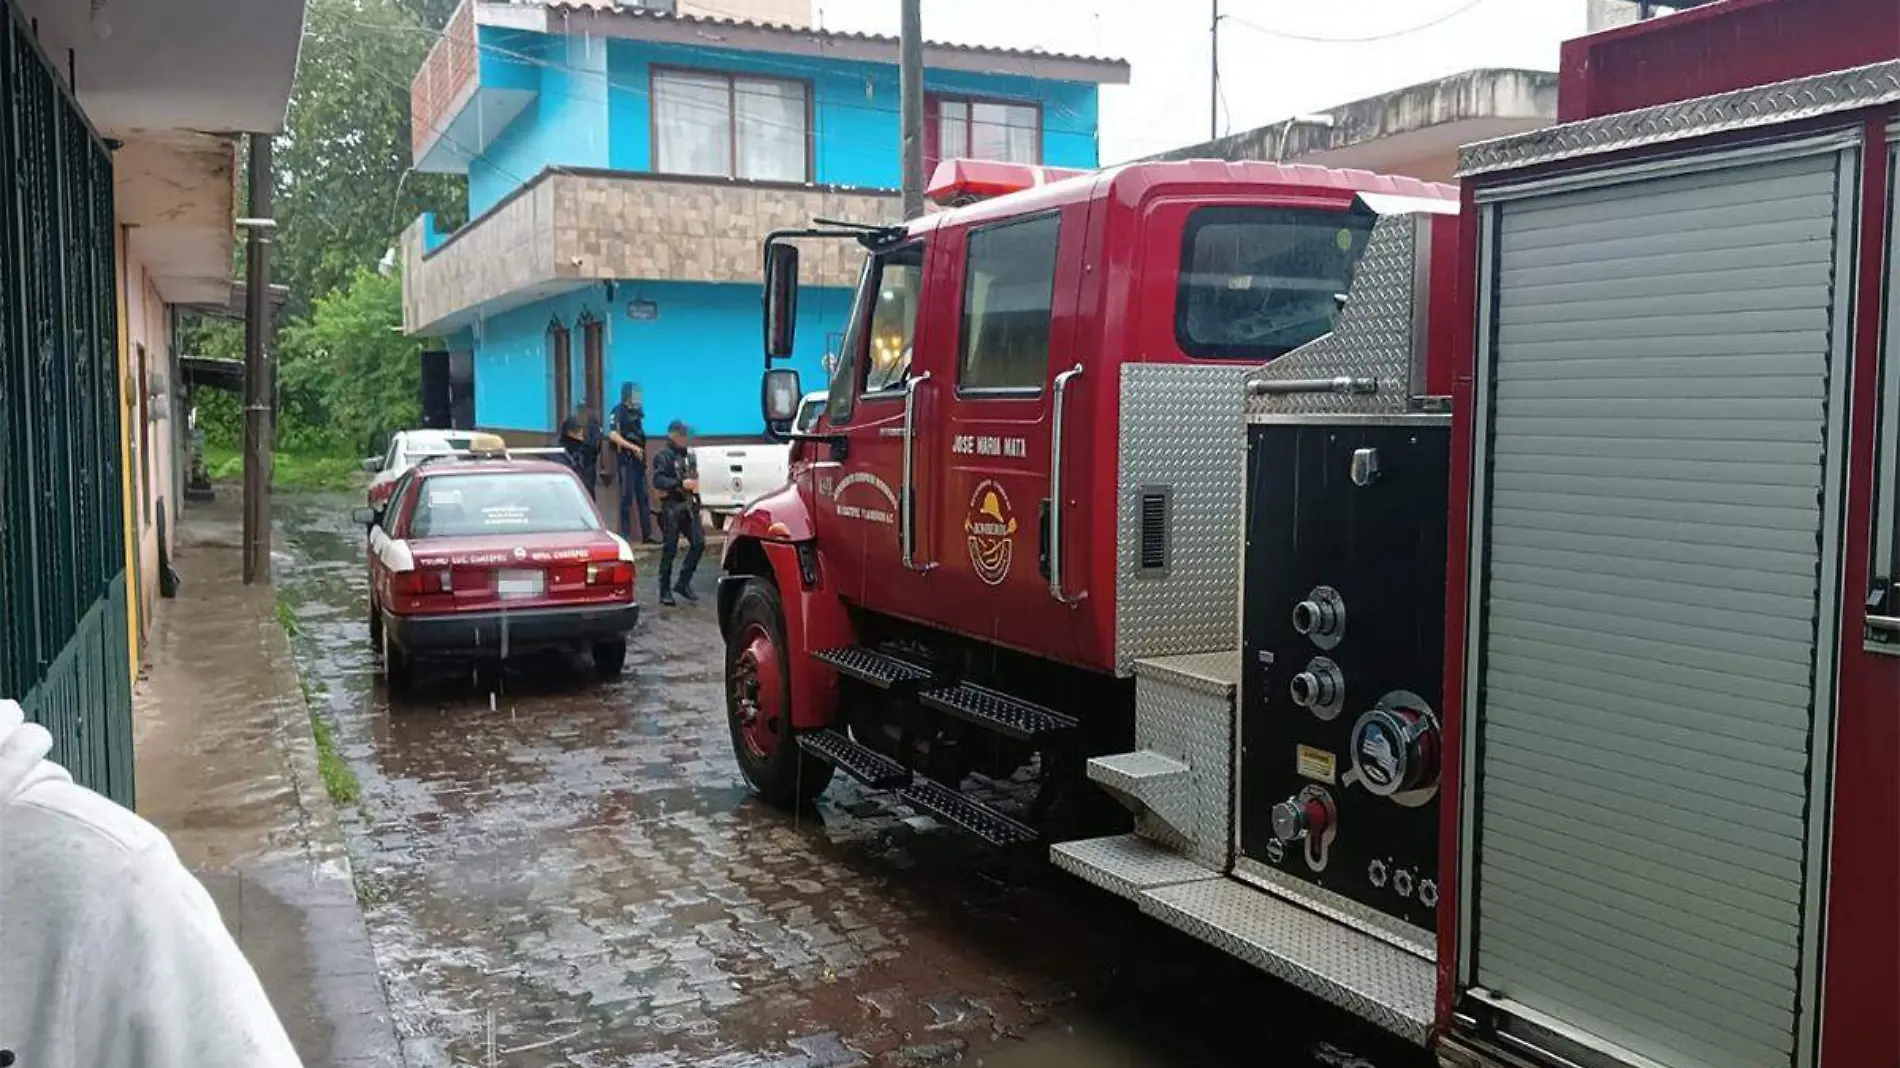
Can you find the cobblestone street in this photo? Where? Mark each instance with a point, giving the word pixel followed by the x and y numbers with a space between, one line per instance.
pixel 561 870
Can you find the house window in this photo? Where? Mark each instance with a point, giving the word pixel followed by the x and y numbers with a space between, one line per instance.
pixel 729 126
pixel 986 129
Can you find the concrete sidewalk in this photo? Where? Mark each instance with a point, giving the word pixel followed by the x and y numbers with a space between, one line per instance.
pixel 227 768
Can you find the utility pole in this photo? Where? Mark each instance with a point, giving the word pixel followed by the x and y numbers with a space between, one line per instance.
pixel 1213 80
pixel 910 78
pixel 257 374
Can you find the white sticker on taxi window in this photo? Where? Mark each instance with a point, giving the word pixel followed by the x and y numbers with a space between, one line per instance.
pixel 444 496
pixel 505 515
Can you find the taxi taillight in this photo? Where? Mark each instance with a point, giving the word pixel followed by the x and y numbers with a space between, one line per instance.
pixel 424 580
pixel 610 573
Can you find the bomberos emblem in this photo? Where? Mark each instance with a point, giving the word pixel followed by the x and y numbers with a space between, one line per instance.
pixel 991 530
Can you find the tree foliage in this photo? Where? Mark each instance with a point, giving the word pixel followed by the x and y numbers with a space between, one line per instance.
pixel 348 376
pixel 344 190
pixel 344 186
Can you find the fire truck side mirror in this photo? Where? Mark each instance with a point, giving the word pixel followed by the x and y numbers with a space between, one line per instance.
pixel 779 395
pixel 781 299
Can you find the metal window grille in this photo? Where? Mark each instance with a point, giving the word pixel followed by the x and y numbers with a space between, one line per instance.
pixel 63 640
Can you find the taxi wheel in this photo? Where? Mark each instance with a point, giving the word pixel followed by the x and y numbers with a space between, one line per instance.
pixel 609 657
pixel 759 702
pixel 375 625
pixel 398 669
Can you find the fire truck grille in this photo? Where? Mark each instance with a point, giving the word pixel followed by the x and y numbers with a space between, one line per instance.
pixel 1154 530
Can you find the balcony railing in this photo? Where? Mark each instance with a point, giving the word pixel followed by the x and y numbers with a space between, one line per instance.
pixel 445 81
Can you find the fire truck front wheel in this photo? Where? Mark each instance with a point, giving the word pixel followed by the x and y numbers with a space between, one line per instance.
pixel 759 705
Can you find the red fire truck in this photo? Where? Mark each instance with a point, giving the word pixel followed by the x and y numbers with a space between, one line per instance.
pixel 1483 605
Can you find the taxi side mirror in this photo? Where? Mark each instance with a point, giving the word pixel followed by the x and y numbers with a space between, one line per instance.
pixel 364 516
pixel 781 299
pixel 372 464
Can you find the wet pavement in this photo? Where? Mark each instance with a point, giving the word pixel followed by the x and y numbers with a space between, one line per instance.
pixel 226 767
pixel 560 869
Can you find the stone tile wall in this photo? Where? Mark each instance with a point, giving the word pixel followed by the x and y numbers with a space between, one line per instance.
pixel 568 227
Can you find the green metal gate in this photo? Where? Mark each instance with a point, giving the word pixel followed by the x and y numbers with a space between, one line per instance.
pixel 63 641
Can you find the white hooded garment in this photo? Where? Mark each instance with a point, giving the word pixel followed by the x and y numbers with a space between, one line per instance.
pixel 111 954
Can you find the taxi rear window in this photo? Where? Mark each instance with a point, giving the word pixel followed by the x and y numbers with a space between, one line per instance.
pixel 1259 282
pixel 526 502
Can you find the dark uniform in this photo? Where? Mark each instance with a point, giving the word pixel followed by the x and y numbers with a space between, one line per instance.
pixel 631 471
pixel 679 514
pixel 581 442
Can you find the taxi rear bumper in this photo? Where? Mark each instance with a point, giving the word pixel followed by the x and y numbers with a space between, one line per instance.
pixel 502 633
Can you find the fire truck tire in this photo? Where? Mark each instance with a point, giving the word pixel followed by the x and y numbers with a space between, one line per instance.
pixel 759 702
pixel 610 657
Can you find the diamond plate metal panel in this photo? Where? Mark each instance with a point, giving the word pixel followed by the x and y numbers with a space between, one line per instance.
pixel 1194 723
pixel 1359 973
pixel 1181 427
pixel 1212 673
pixel 1743 109
pixel 1161 784
pixel 1125 865
pixel 1372 339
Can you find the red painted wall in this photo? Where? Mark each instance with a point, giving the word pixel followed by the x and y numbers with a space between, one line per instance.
pixel 1720 48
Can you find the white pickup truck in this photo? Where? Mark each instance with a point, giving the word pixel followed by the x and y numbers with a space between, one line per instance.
pixel 732 476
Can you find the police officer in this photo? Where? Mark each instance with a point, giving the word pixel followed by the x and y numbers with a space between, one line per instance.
pixel 676 479
pixel 626 429
pixel 580 440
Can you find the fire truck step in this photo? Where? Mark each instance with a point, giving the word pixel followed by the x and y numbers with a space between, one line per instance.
pixel 997 711
pixel 882 670
pixel 866 765
pixel 966 812
pixel 1359 972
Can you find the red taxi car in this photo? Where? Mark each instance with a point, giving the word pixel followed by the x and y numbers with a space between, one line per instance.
pixel 484 558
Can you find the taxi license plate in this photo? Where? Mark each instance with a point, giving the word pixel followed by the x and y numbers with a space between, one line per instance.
pixel 510 585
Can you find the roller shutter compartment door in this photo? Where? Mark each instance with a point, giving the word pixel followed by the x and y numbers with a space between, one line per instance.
pixel 1659 439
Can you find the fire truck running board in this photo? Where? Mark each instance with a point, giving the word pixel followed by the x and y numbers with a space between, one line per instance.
pixel 864 764
pixel 872 667
pixel 996 711
pixel 1364 975
pixel 966 812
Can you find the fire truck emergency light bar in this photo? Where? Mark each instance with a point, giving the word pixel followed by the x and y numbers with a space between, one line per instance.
pixel 966 181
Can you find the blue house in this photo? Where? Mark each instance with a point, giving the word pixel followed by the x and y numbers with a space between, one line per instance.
pixel 625 161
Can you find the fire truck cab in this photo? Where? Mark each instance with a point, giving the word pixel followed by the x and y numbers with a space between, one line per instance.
pixel 1027 479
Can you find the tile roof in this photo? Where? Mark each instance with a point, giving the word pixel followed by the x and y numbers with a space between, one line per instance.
pixel 626 10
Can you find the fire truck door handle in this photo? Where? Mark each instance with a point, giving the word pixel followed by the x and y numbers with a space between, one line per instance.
pixel 1058 409
pixel 907 506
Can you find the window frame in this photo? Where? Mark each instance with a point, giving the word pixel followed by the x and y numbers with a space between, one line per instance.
pixel 876 263
pixel 1216 214
pixel 657 71
pixel 1884 540
pixel 933 120
pixel 963 310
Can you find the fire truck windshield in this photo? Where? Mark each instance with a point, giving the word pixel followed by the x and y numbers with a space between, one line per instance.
pixel 1257 283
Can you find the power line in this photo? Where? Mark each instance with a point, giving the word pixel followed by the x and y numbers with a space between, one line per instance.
pixel 1386 36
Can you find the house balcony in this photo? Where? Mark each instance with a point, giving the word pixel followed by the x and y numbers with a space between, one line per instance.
pixel 567 227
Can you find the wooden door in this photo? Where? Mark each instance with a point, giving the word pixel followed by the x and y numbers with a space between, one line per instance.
pixel 560 368
pixel 594 372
